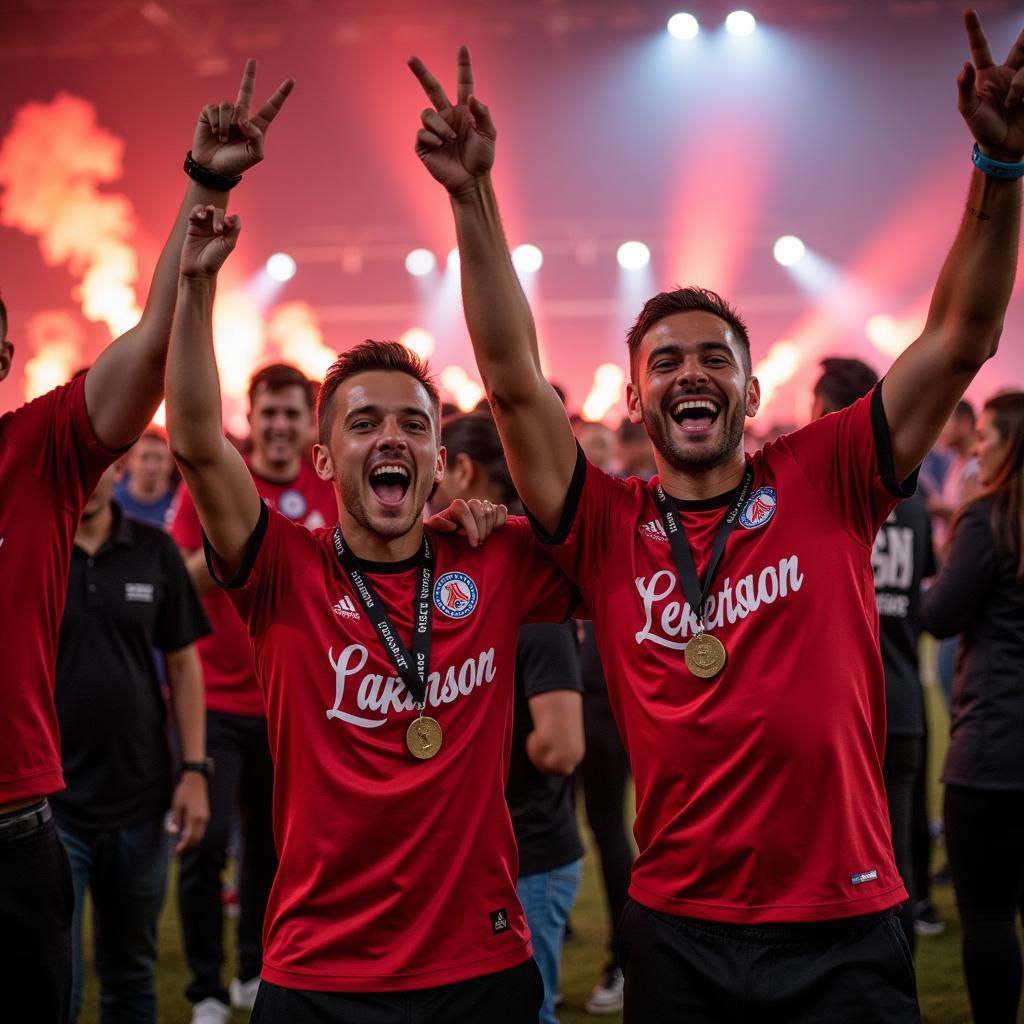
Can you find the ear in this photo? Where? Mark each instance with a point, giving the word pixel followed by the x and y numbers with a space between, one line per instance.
pixel 322 462
pixel 439 467
pixel 6 358
pixel 753 396
pixel 634 404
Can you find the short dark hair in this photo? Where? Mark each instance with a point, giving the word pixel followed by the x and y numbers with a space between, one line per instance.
pixel 843 381
pixel 277 377
pixel 476 436
pixel 686 300
pixel 366 357
pixel 965 411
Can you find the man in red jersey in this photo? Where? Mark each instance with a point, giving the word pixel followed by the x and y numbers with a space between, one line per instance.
pixel 385 653
pixel 733 601
pixel 280 418
pixel 52 452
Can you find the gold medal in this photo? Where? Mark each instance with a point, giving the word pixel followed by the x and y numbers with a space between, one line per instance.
pixel 704 655
pixel 423 737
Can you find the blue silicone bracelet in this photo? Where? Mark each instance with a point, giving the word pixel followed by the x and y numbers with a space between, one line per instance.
pixel 996 168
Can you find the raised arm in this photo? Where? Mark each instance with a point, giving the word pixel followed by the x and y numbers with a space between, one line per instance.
pixel 125 385
pixel 456 144
pixel 216 475
pixel 966 314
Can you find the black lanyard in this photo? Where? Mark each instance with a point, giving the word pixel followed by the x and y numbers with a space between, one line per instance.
pixel 695 589
pixel 412 669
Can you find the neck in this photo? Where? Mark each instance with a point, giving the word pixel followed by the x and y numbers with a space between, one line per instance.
pixel 95 529
pixel 369 546
pixel 148 493
pixel 276 472
pixel 698 483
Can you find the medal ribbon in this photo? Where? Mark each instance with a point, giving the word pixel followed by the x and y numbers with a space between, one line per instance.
pixel 412 668
pixel 695 589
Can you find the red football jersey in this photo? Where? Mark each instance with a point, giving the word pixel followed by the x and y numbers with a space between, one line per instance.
pixel 759 792
pixel 394 873
pixel 229 677
pixel 50 462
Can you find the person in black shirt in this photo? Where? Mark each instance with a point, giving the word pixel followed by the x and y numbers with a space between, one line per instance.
pixel 980 594
pixel 128 593
pixel 547 732
pixel 901 557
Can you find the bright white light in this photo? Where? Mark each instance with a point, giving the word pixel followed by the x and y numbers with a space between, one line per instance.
pixel 280 267
pixel 683 26
pixel 633 255
pixel 466 392
pixel 527 259
pixel 453 259
pixel 889 335
pixel 420 262
pixel 420 341
pixel 605 392
pixel 740 23
pixel 788 250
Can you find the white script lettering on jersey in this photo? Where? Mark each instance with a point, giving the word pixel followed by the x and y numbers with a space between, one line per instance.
pixel 388 694
pixel 669 622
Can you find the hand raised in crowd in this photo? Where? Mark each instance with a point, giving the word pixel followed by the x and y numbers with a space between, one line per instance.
pixel 229 139
pixel 992 96
pixel 209 239
pixel 190 811
pixel 455 143
pixel 476 519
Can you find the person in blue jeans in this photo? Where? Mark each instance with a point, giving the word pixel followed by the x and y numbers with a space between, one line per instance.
pixel 547 730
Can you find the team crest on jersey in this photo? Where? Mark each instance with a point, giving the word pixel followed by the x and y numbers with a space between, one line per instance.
pixel 455 594
pixel 760 507
pixel 654 530
pixel 292 504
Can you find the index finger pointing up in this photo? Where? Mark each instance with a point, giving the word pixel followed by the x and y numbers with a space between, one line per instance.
pixel 465 75
pixel 431 86
pixel 976 40
pixel 245 90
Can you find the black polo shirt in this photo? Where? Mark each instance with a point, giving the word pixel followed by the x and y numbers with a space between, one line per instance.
pixel 132 596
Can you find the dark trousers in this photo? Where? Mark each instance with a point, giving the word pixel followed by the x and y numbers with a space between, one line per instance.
pixel 854 971
pixel 985 843
pixel 243 781
pixel 920 829
pixel 507 997
pixel 901 769
pixel 605 772
pixel 36 902
pixel 126 872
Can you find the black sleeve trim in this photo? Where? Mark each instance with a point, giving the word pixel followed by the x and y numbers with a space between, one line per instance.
pixel 883 448
pixel 252 549
pixel 571 507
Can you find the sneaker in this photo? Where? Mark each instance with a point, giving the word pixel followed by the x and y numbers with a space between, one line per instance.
pixel 927 920
pixel 210 1011
pixel 243 993
pixel 606 996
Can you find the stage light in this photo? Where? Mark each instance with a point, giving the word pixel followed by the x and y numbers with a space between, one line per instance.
pixel 420 262
pixel 788 250
pixel 683 26
pixel 420 341
pixel 453 259
pixel 605 392
pixel 633 255
pixel 280 267
pixel 466 392
pixel 527 259
pixel 740 23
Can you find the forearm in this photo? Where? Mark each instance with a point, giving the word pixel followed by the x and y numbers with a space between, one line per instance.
pixel 185 681
pixel 551 756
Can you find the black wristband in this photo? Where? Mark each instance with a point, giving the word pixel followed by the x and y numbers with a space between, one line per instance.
pixel 211 179
pixel 204 767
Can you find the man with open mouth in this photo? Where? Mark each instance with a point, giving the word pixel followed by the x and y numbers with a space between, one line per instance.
pixel 733 599
pixel 385 653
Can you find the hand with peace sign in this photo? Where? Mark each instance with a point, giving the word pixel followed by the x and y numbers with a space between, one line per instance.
pixel 991 95
pixel 455 143
pixel 229 139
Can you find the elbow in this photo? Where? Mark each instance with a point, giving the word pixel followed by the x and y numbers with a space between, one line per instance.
pixel 973 343
pixel 557 758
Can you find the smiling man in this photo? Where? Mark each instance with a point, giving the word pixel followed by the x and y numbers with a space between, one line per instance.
pixel 733 597
pixel 385 652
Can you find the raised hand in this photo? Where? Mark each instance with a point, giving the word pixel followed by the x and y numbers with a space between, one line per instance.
pixel 991 95
pixel 455 143
pixel 229 139
pixel 209 239
pixel 476 519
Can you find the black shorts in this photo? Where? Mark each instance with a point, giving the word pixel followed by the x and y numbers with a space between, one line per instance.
pixel 849 971
pixel 513 996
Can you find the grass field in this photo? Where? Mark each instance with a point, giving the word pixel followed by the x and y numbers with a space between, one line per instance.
pixel 940 979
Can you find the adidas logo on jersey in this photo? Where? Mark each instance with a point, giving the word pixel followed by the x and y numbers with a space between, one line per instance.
pixel 346 608
pixel 654 530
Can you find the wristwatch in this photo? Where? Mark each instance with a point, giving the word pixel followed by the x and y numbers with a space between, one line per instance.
pixel 204 767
